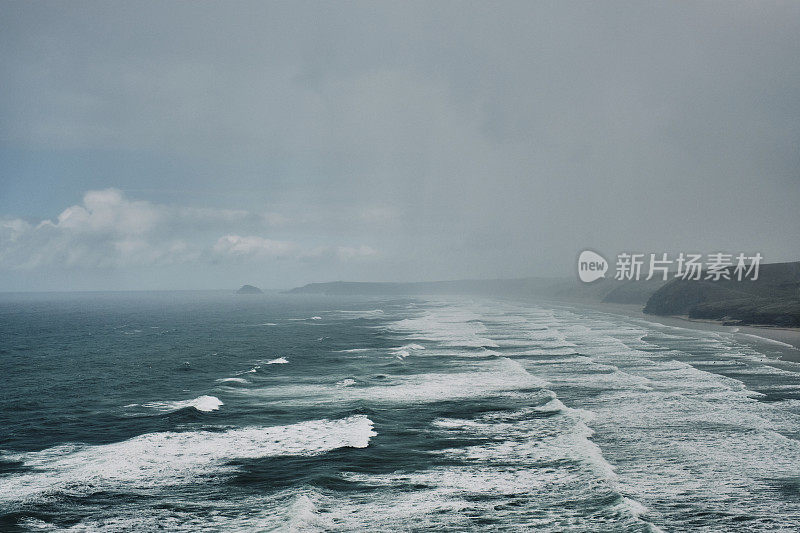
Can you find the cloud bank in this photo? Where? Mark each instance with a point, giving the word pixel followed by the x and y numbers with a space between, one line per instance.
pixel 108 230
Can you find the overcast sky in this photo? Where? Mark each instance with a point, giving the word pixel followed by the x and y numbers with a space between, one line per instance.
pixel 206 145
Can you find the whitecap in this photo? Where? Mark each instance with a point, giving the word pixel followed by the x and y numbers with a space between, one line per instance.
pixel 203 403
pixel 251 371
pixel 499 377
pixel 165 459
pixel 233 380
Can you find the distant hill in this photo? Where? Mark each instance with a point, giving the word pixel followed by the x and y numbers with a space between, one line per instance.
pixel 606 290
pixel 495 286
pixel 249 289
pixel 772 299
pixel 603 290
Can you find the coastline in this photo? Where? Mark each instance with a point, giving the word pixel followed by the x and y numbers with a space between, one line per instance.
pixel 786 341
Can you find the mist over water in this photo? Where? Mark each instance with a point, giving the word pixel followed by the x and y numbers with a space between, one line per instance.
pixel 196 411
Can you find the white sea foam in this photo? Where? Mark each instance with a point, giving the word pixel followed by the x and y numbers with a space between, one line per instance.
pixel 203 403
pixel 155 460
pixel 404 351
pixel 278 361
pixel 447 326
pixel 233 380
pixel 530 459
pixel 768 340
pixel 413 346
pixel 676 433
pixel 499 376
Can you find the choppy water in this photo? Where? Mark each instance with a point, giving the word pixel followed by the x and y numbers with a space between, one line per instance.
pixel 193 411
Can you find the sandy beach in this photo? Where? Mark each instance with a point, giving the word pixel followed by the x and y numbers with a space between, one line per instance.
pixel 784 340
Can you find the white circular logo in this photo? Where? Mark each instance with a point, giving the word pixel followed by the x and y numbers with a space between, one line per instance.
pixel 591 266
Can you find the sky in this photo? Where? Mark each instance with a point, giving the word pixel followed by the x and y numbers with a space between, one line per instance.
pixel 193 145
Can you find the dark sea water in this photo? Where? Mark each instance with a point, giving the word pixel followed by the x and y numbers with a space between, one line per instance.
pixel 211 411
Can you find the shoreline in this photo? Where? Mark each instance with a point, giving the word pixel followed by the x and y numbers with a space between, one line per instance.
pixel 786 341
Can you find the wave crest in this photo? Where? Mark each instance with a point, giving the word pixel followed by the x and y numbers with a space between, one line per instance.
pixel 173 458
pixel 203 403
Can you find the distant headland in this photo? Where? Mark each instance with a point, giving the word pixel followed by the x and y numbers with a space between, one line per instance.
pixel 249 289
pixel 772 300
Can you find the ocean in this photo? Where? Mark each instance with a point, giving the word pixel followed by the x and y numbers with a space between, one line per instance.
pixel 210 411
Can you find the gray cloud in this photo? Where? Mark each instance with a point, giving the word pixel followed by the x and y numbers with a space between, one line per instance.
pixel 460 140
pixel 110 231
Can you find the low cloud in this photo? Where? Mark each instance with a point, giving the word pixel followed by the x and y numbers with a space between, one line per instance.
pixel 236 245
pixel 259 247
pixel 108 212
pixel 109 230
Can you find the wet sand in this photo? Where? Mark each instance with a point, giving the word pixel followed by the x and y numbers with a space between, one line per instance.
pixel 784 340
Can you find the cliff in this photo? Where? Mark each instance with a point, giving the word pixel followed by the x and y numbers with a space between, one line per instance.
pixel 772 299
